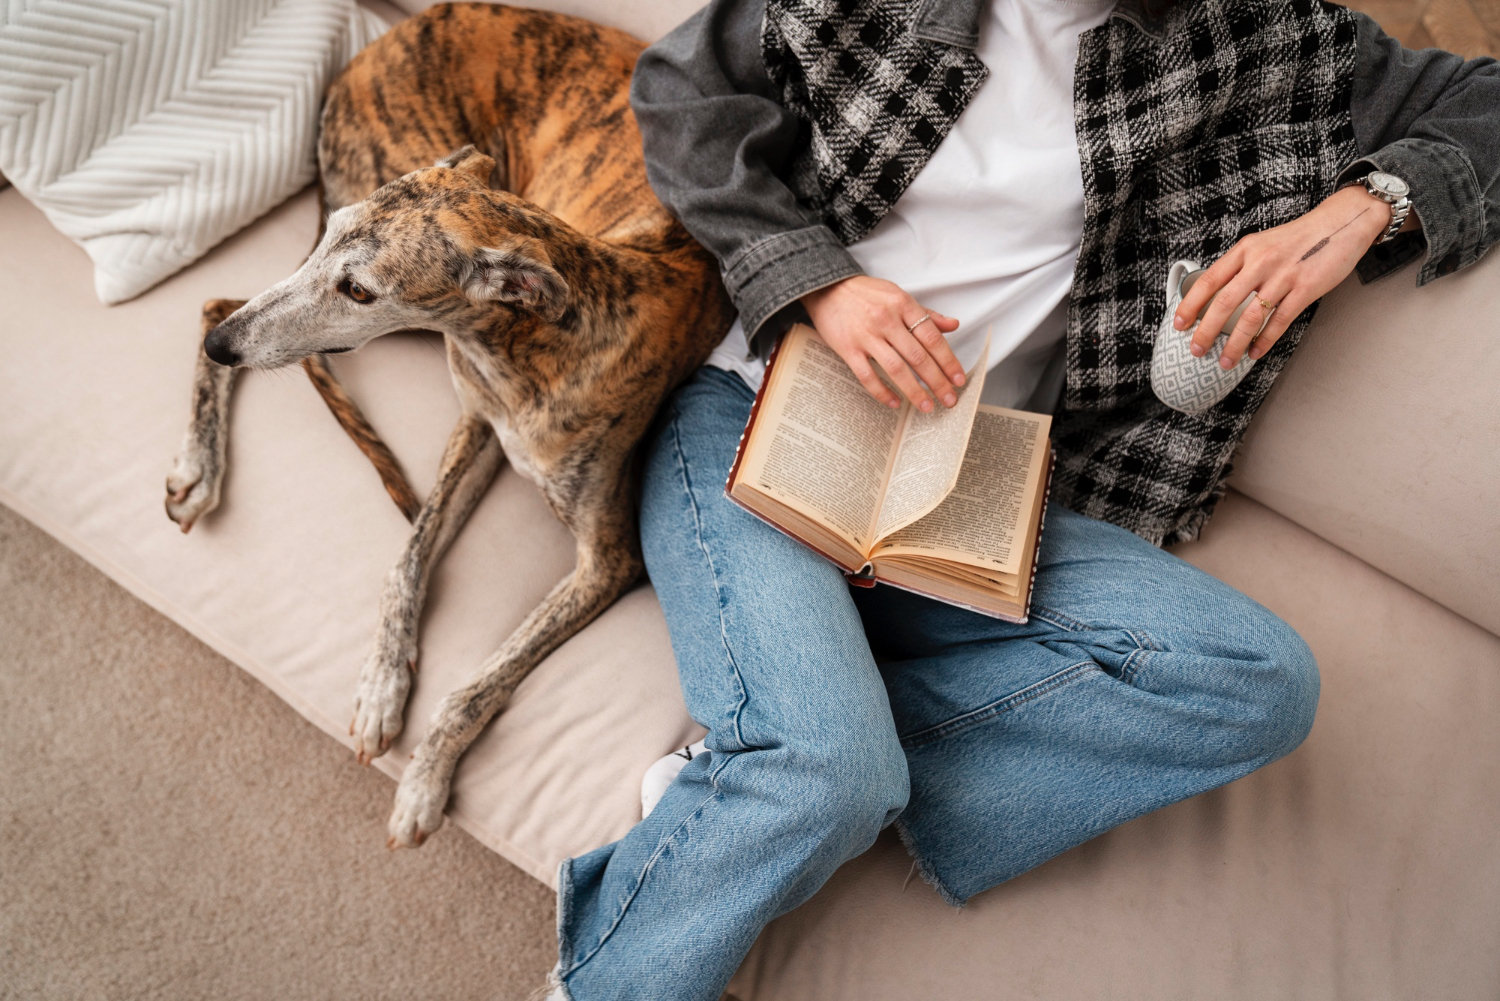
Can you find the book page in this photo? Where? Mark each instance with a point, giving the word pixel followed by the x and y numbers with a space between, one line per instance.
pixel 929 454
pixel 822 444
pixel 983 522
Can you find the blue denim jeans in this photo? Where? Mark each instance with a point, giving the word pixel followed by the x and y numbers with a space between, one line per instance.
pixel 833 711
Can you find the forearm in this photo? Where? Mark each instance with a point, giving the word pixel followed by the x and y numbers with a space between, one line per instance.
pixel 717 145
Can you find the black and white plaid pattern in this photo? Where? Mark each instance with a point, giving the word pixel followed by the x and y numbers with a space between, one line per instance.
pixel 1234 121
pixel 875 101
pixel 1237 121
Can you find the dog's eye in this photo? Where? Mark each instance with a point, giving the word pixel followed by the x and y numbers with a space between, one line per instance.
pixel 356 291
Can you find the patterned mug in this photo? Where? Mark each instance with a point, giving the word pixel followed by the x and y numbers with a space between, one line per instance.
pixel 1183 382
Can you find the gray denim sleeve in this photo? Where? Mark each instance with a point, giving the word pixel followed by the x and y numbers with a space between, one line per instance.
pixel 1432 119
pixel 718 145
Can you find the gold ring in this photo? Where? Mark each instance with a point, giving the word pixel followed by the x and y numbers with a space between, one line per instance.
pixel 924 319
pixel 1267 305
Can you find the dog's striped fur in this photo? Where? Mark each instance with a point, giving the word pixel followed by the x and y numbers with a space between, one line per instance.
pixel 571 303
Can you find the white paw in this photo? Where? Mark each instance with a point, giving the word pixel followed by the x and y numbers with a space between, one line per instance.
pixel 193 483
pixel 420 799
pixel 379 701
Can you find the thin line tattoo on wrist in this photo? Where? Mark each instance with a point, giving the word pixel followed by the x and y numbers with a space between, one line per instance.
pixel 1324 242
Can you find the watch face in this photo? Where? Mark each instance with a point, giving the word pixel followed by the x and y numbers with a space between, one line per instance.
pixel 1390 184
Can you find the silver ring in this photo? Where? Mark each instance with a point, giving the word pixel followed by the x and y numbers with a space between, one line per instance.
pixel 924 319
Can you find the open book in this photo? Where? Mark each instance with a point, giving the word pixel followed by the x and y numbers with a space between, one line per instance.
pixel 948 504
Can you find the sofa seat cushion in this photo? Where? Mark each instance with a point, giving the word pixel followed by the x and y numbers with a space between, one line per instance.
pixel 1358 866
pixel 284 579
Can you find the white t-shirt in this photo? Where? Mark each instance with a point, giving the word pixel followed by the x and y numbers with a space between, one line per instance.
pixel 988 231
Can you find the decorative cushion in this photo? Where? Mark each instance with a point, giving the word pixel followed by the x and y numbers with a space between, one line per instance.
pixel 149 130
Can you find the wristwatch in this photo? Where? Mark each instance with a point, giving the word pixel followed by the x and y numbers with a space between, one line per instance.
pixel 1393 191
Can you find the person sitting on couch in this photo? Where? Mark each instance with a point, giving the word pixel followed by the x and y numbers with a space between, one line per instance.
pixel 888 168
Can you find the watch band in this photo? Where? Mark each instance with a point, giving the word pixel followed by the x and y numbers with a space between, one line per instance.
pixel 1400 209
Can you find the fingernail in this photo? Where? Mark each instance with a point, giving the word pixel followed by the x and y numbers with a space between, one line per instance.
pixel 950 399
pixel 893 404
pixel 926 406
pixel 1179 323
pixel 958 380
pixel 1224 362
pixel 1197 350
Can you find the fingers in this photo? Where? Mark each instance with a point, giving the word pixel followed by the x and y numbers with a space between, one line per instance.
pixel 1287 310
pixel 901 374
pixel 1252 319
pixel 859 364
pixel 1226 302
pixel 920 357
pixel 1211 281
pixel 930 335
pixel 875 326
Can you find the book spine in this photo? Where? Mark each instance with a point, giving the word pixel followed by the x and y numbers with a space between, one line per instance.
pixel 739 451
pixel 1041 527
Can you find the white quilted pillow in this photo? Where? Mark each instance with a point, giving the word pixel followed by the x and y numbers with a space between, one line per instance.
pixel 150 130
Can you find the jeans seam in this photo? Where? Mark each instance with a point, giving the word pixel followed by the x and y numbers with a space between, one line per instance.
pixel 640 881
pixel 1030 693
pixel 1144 644
pixel 713 570
pixel 1061 620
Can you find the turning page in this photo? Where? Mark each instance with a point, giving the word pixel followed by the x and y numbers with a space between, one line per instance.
pixel 983 522
pixel 929 454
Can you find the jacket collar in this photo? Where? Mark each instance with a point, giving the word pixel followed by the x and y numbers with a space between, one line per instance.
pixel 956 22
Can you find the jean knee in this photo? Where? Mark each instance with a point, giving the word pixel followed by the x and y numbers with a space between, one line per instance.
pixel 1289 692
pixel 853 792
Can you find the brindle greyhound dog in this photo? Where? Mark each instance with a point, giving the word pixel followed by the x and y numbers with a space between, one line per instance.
pixel 570 302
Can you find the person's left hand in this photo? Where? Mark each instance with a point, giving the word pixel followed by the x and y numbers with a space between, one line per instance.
pixel 1288 268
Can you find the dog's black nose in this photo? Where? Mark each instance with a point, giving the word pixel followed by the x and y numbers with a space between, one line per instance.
pixel 216 346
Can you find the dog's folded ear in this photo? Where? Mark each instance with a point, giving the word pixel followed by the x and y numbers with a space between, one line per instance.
pixel 518 272
pixel 472 162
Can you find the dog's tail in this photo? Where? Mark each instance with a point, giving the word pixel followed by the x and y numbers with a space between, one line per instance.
pixel 348 414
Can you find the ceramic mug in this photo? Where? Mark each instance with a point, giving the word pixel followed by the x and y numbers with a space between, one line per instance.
pixel 1182 382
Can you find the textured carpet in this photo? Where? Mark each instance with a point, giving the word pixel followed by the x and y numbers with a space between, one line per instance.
pixel 170 829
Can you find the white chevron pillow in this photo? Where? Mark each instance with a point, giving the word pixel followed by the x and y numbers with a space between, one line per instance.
pixel 150 130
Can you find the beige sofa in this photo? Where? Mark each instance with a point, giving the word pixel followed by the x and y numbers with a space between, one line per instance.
pixel 1363 512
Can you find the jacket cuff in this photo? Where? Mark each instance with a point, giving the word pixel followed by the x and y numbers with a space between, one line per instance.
pixel 772 273
pixel 1445 195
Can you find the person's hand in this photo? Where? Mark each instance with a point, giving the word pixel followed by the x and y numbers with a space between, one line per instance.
pixel 864 318
pixel 1288 268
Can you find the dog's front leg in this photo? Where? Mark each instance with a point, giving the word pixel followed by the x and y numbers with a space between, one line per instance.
pixel 605 569
pixel 198 471
pixel 470 462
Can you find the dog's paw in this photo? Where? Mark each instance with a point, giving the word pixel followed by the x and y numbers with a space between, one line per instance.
pixel 380 700
pixel 193 484
pixel 418 812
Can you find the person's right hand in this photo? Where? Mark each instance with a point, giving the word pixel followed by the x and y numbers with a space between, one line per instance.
pixel 864 319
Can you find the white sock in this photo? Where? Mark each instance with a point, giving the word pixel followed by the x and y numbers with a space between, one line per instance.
pixel 660 775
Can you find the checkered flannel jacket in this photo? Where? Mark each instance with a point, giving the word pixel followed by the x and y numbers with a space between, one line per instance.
pixel 1232 121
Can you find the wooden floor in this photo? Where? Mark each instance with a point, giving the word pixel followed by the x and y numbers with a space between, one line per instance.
pixel 1468 27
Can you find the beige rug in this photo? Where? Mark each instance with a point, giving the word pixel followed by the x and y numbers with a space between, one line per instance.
pixel 170 829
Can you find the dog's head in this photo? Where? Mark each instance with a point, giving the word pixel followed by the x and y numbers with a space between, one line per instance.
pixel 433 250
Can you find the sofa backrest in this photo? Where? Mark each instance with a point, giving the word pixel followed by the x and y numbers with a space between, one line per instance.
pixel 1383 434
